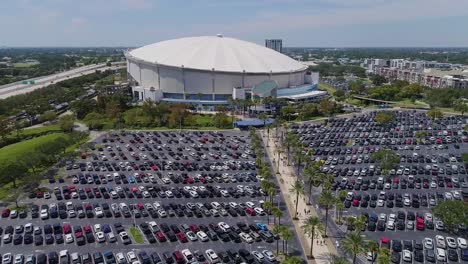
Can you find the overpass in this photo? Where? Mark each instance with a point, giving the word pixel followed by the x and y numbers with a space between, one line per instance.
pixel 41 82
pixel 377 101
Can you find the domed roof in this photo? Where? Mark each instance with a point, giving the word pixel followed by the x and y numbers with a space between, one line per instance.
pixel 218 53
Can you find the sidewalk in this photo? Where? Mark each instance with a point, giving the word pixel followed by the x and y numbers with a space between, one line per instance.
pixel 285 179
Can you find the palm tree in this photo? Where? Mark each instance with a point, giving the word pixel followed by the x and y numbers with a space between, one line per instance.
pixel 278 151
pixel 299 155
pixel 277 213
pixel 354 245
pixel 264 118
pixel 311 227
pixel 291 140
pixel 360 223
pixel 268 134
pixel 293 260
pixel 373 247
pixel 277 231
pixel 384 256
pixel 265 185
pixel 339 207
pixel 271 192
pixel 342 195
pixel 334 259
pixel 326 200
pixel 311 175
pixel 268 206
pixel 298 189
pixel 286 234
pixel 351 223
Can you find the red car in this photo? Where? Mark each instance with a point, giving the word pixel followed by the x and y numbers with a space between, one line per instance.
pixel 78 234
pixel 182 238
pixel 160 236
pixel 250 211
pixel 194 228
pixel 355 202
pixel 384 242
pixel 39 195
pixel 87 229
pixel 6 212
pixel 190 180
pixel 420 224
pixel 66 229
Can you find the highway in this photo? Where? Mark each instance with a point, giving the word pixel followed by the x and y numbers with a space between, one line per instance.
pixel 40 82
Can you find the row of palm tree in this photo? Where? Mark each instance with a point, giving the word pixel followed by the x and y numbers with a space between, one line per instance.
pixel 354 243
pixel 285 234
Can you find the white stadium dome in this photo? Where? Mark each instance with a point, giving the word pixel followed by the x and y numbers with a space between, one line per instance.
pixel 209 69
pixel 218 53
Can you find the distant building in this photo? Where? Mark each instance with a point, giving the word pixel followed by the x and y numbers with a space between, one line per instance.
pixel 275 44
pixel 429 73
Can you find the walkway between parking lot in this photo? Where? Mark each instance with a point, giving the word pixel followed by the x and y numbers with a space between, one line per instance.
pixel 286 179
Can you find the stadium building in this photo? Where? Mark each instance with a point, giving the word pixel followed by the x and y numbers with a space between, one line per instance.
pixel 209 70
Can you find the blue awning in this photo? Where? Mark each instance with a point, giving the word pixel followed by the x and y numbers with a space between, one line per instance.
pixel 253 123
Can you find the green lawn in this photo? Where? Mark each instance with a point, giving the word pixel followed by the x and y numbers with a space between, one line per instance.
pixel 325 87
pixel 136 235
pixel 37 130
pixel 204 121
pixel 11 152
pixel 409 103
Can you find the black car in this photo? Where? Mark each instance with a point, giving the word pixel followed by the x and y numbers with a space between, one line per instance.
pixel 168 257
pixel 381 225
pixel 430 255
pixel 418 256
pixel 98 258
pixel 53 257
pixel 395 257
pixel 17 239
pixel 396 245
pixel 400 225
pixel 156 258
pixel 38 240
pixel 41 258
pixel 408 245
pixel 453 255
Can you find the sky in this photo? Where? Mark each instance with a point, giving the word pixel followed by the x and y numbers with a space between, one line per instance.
pixel 300 23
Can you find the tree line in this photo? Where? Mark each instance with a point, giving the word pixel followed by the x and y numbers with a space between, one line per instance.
pixel 31 163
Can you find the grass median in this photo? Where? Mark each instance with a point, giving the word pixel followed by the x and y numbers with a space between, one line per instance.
pixel 136 235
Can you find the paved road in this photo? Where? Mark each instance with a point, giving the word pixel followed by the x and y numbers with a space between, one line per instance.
pixel 19 88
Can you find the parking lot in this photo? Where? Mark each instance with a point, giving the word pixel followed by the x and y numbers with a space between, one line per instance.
pixel 397 207
pixel 194 196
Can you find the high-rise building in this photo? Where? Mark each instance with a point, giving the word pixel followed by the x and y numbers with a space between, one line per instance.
pixel 275 44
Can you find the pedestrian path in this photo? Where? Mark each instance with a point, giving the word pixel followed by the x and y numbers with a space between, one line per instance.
pixel 323 247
